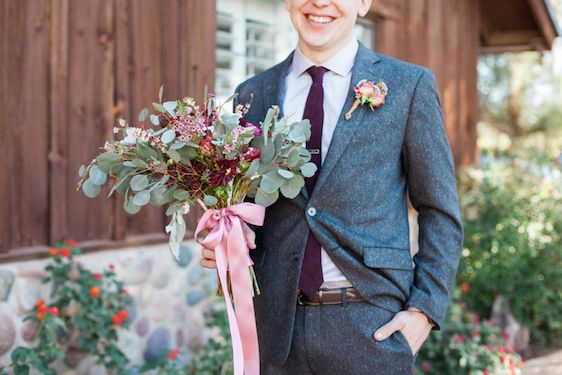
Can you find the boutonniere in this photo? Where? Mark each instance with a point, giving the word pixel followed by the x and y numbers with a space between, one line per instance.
pixel 367 92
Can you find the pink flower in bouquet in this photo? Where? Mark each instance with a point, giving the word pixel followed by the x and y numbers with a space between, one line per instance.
pixel 367 88
pixel 189 128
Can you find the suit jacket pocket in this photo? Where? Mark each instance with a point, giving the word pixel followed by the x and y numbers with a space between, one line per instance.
pixel 387 257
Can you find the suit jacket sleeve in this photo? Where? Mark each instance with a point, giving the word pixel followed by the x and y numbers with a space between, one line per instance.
pixel 429 166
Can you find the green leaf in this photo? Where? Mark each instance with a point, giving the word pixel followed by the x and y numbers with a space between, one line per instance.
pixel 187 154
pixel 292 187
pixel 266 124
pixel 90 189
pixel 107 161
pixel 82 170
pixel 138 163
pixel 267 149
pixel 174 155
pixel 97 177
pixel 176 145
pixel 265 199
pixel 168 136
pixel 297 135
pixel 143 114
pixel 159 107
pixel 253 168
pixel 130 207
pixel 293 158
pixel 271 182
pixel 141 198
pixel 210 201
pixel 308 169
pixel 180 194
pixel 145 152
pixel 160 92
pixel 154 120
pixel 139 182
pixel 285 173
pixel 170 107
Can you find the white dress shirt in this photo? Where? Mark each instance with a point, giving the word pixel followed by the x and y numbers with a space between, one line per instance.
pixel 336 87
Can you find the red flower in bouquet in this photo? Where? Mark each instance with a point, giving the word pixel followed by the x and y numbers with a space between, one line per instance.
pixel 226 171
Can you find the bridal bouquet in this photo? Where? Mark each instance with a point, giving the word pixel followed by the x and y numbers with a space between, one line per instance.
pixel 190 155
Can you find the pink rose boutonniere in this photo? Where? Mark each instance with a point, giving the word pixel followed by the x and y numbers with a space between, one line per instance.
pixel 367 92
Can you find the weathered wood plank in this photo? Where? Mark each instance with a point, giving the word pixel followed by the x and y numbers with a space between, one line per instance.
pixel 90 116
pixel 25 35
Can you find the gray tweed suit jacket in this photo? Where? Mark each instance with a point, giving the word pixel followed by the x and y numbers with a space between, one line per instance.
pixel 360 205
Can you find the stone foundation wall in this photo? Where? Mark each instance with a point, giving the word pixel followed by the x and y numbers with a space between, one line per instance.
pixel 169 303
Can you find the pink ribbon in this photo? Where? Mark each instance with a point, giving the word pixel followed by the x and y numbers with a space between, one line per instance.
pixel 232 238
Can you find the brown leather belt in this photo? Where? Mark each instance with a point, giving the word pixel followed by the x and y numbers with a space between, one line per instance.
pixel 330 297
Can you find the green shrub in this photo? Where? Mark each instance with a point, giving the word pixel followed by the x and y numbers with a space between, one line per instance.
pixel 467 346
pixel 512 221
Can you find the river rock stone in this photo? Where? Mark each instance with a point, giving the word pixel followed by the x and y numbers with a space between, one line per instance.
pixel 196 341
pixel 74 355
pixel 160 308
pixel 29 294
pixel 161 277
pixel 194 275
pixel 29 330
pixel 7 333
pixel 185 256
pixel 132 310
pixel 194 297
pixel 180 338
pixel 158 344
pixel 6 282
pixel 139 271
pixel 143 326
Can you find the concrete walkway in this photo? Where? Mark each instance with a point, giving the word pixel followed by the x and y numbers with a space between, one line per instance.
pixel 548 364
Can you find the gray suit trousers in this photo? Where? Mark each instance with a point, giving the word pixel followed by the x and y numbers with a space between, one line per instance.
pixel 338 340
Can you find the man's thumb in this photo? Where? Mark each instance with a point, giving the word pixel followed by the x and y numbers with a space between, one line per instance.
pixel 388 329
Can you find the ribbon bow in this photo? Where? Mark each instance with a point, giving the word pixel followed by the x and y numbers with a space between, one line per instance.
pixel 231 238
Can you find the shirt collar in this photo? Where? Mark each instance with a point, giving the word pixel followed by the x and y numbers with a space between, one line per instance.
pixel 341 63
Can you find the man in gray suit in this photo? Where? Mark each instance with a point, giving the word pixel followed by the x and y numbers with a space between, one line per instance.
pixel 340 293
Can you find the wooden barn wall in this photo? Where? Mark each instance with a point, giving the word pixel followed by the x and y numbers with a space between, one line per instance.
pixel 442 35
pixel 68 70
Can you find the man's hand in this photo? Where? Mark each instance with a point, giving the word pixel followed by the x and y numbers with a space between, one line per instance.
pixel 208 258
pixel 414 325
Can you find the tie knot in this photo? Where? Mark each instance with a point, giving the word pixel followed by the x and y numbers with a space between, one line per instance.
pixel 317 73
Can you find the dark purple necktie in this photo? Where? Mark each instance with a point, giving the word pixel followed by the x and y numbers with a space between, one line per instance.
pixel 311 274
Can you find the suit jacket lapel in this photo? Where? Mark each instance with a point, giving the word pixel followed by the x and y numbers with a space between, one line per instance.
pixel 362 69
pixel 274 88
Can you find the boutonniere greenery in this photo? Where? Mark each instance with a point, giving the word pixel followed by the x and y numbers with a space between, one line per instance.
pixel 367 92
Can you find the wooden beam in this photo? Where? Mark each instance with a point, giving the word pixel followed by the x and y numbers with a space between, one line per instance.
pixel 544 20
pixel 515 37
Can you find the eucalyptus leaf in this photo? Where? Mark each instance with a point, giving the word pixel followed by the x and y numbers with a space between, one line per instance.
pixel 90 189
pixel 171 210
pixel 292 187
pixel 159 196
pixel 139 182
pixel 143 114
pixel 170 107
pixel 266 124
pixel 180 194
pixel 271 182
pixel 154 120
pixel 97 176
pixel 293 158
pixel 141 198
pixel 253 168
pixel 145 152
pixel 265 199
pixel 160 92
pixel 308 169
pixel 210 201
pixel 139 163
pixel 187 154
pixel 168 136
pixel 82 170
pixel 297 135
pixel 174 155
pixel 176 229
pixel 176 145
pixel 159 107
pixel 107 161
pixel 130 207
pixel 285 173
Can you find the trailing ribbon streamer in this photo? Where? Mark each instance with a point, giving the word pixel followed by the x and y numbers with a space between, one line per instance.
pixel 231 238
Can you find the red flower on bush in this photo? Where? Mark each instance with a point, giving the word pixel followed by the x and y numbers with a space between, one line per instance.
pixel 426 367
pixel 95 292
pixel 97 275
pixel 459 339
pixel 71 243
pixel 121 316
pixel 465 288
pixel 54 251
pixel 65 252
pixel 111 267
pixel 173 354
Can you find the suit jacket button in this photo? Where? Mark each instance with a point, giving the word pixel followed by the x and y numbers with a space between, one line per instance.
pixel 295 256
pixel 311 211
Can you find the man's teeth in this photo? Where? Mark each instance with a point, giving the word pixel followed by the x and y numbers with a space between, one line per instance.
pixel 319 19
